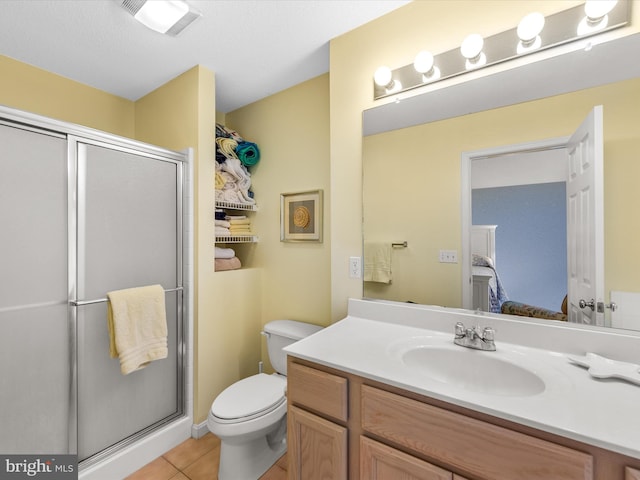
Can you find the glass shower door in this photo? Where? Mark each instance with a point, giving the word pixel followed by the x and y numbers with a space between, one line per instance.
pixel 128 236
pixel 35 373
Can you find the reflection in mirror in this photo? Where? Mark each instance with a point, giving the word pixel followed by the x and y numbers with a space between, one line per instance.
pixel 412 190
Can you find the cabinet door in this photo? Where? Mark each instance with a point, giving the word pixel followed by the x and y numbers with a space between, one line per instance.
pixel 317 447
pixel 380 462
pixel 631 474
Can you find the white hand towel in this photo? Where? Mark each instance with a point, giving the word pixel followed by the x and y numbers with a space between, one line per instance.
pixel 137 324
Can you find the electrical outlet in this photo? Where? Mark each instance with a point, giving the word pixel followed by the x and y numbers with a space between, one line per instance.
pixel 355 267
pixel 448 256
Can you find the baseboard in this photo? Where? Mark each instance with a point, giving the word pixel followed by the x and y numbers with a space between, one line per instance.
pixel 199 430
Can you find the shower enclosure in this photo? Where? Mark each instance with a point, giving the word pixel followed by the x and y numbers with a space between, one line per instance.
pixel 83 213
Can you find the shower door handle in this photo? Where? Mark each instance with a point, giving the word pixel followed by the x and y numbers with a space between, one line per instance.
pixel 583 304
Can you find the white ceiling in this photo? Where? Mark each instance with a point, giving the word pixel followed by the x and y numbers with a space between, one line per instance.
pixel 255 47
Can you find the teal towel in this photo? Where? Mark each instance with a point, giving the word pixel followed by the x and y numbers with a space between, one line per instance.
pixel 248 153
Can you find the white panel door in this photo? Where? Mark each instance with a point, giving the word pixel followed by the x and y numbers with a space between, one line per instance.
pixel 585 221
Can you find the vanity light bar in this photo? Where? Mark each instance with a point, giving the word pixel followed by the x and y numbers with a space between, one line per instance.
pixel 560 28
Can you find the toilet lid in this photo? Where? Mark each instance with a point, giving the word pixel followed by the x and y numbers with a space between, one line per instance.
pixel 250 396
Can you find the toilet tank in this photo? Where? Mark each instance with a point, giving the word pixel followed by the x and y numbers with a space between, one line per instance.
pixel 282 333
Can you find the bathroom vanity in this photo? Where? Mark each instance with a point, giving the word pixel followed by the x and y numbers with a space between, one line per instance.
pixel 364 403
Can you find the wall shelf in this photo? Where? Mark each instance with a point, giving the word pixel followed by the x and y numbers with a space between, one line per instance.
pixel 237 239
pixel 236 206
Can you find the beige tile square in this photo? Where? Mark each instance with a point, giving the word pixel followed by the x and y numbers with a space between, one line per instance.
pixel 191 450
pixel 206 467
pixel 159 469
pixel 180 476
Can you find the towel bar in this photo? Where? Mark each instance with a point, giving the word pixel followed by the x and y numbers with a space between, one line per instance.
pixel 81 303
pixel 400 244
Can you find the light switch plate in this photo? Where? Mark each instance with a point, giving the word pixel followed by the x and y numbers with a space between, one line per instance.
pixel 448 256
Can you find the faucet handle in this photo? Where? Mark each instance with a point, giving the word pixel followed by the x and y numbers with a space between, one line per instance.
pixel 488 334
pixel 459 329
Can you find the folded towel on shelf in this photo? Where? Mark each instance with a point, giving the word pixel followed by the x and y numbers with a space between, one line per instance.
pixel 239 221
pixel 248 153
pixel 221 231
pixel 137 323
pixel 377 262
pixel 222 264
pixel 224 252
pixel 220 214
pixel 222 223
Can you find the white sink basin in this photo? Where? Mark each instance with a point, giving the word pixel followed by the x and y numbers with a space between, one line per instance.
pixel 484 372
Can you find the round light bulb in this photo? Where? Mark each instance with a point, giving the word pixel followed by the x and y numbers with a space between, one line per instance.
pixel 382 76
pixel 423 62
pixel 530 27
pixel 472 46
pixel 597 9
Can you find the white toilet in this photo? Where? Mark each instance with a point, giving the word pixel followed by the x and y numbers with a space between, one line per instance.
pixel 249 416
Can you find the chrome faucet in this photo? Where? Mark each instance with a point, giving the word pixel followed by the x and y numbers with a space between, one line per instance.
pixel 472 338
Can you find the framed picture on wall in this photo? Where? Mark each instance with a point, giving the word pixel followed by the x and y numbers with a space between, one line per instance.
pixel 301 216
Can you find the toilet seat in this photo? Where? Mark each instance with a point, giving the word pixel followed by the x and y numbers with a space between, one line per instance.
pixel 249 398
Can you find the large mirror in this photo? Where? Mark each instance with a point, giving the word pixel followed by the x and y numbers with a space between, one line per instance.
pixel 418 151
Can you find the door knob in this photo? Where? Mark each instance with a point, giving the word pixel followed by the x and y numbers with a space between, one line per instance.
pixel 583 303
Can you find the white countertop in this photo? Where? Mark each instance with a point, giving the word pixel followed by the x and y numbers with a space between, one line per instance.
pixel 604 413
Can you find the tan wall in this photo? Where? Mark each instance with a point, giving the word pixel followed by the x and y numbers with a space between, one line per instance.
pixel 37 91
pixel 425 161
pixel 393 40
pixel 292 130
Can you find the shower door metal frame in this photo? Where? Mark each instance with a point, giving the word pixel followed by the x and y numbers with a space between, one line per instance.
pixel 75 276
pixel 76 134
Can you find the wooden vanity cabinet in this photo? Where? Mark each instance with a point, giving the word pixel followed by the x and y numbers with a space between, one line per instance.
pixel 317 445
pixel 342 426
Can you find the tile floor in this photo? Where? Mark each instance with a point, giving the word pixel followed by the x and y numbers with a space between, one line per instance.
pixel 196 460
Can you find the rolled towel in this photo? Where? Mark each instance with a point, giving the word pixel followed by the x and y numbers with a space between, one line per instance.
pixel 227 146
pixel 219 181
pixel 248 153
pixel 224 252
pixel 234 167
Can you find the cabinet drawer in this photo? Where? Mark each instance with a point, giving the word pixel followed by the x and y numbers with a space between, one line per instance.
pixel 479 448
pixel 319 391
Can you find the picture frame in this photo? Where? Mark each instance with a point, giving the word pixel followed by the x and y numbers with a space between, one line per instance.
pixel 301 216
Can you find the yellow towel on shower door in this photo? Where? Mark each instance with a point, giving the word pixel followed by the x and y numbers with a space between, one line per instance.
pixel 137 323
